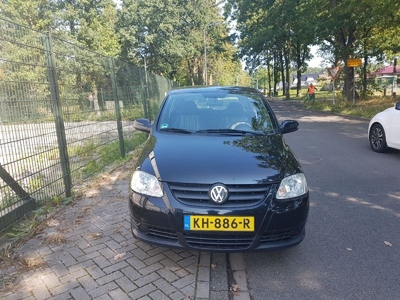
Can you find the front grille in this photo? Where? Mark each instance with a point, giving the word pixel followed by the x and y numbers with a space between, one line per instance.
pixel 155 231
pixel 219 241
pixel 276 236
pixel 239 194
pixel 163 234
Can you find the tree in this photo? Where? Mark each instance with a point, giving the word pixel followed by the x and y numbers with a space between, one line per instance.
pixel 258 22
pixel 169 35
pixel 348 25
pixel 35 14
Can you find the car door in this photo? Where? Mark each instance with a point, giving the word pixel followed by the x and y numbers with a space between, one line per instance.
pixel 394 129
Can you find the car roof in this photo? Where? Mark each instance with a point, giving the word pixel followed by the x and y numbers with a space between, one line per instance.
pixel 214 89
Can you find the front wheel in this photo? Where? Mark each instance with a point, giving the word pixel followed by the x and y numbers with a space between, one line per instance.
pixel 377 138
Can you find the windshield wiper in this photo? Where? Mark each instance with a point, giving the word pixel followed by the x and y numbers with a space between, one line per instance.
pixel 179 130
pixel 230 131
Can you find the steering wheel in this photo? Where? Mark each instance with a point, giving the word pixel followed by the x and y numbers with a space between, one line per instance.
pixel 237 124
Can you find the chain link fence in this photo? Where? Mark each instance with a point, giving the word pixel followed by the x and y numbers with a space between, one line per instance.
pixel 66 113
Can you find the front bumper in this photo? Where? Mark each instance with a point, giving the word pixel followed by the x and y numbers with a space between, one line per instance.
pixel 278 224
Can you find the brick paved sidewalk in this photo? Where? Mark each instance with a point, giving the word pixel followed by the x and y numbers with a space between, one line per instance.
pixel 98 258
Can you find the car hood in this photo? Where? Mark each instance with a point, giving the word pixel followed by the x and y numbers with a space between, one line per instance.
pixel 207 159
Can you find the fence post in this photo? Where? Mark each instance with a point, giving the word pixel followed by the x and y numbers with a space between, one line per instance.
pixel 117 108
pixel 58 117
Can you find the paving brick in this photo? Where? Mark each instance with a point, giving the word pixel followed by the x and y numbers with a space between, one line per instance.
pixel 156 251
pixel 63 296
pixel 86 257
pixel 84 267
pixel 140 254
pixel 187 280
pixel 88 283
pixel 104 289
pixel 119 294
pixel 170 264
pixel 50 280
pixel 44 250
pixel 145 298
pixel 94 248
pixel 64 288
pixel 154 259
pixel 115 267
pixel 95 272
pixel 151 268
pixel 81 265
pixel 144 290
pixel 181 272
pixel 180 296
pixel 97 241
pixel 75 252
pixel 165 286
pixel 126 284
pixel 131 273
pixel 104 297
pixel 72 276
pixel 158 295
pixel 174 256
pixel 109 277
pixel 203 274
pixel 40 291
pixel 146 279
pixel 167 274
pixel 118 238
pixel 58 268
pixel 102 262
pixel 113 245
pixel 202 289
pixel 80 294
pixel 108 253
pixel 188 291
pixel 191 260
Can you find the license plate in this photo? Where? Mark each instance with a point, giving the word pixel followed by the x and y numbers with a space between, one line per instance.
pixel 218 223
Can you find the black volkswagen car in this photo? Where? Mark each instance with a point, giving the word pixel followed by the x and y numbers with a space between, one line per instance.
pixel 215 174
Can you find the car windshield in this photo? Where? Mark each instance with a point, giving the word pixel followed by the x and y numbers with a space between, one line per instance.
pixel 216 114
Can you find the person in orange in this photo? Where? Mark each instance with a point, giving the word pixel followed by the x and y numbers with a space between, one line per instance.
pixel 311 92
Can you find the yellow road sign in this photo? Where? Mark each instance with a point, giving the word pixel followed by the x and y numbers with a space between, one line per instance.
pixel 354 62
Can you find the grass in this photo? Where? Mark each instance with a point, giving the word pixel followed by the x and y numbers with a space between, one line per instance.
pixel 366 108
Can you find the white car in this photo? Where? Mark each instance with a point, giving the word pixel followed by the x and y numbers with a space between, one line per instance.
pixel 384 129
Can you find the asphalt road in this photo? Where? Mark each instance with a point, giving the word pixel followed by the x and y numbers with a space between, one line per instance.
pixel 352 244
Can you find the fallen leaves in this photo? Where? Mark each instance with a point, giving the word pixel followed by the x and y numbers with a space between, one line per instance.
pixel 387 243
pixel 119 255
pixel 95 235
pixel 234 289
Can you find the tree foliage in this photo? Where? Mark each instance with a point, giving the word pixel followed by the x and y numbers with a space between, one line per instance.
pixel 284 30
pixel 170 35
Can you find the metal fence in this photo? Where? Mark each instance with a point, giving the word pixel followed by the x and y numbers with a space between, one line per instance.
pixel 65 114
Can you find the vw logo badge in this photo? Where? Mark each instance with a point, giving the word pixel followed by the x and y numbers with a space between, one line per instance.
pixel 219 193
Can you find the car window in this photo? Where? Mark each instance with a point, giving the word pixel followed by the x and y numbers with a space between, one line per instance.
pixel 196 112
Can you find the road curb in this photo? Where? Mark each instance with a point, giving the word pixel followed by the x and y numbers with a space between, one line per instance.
pixel 238 269
pixel 203 277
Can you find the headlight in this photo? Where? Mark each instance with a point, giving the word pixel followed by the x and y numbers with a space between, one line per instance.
pixel 144 183
pixel 292 186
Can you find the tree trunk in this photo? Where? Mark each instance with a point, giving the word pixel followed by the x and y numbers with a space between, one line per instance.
pixel 286 85
pixel 282 67
pixel 364 72
pixel 349 91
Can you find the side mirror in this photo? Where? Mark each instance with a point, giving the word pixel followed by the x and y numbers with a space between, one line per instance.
pixel 397 106
pixel 142 125
pixel 289 126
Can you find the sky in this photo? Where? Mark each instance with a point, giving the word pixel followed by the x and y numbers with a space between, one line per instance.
pixel 317 60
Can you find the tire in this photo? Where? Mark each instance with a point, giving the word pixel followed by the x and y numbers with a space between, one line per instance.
pixel 377 138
